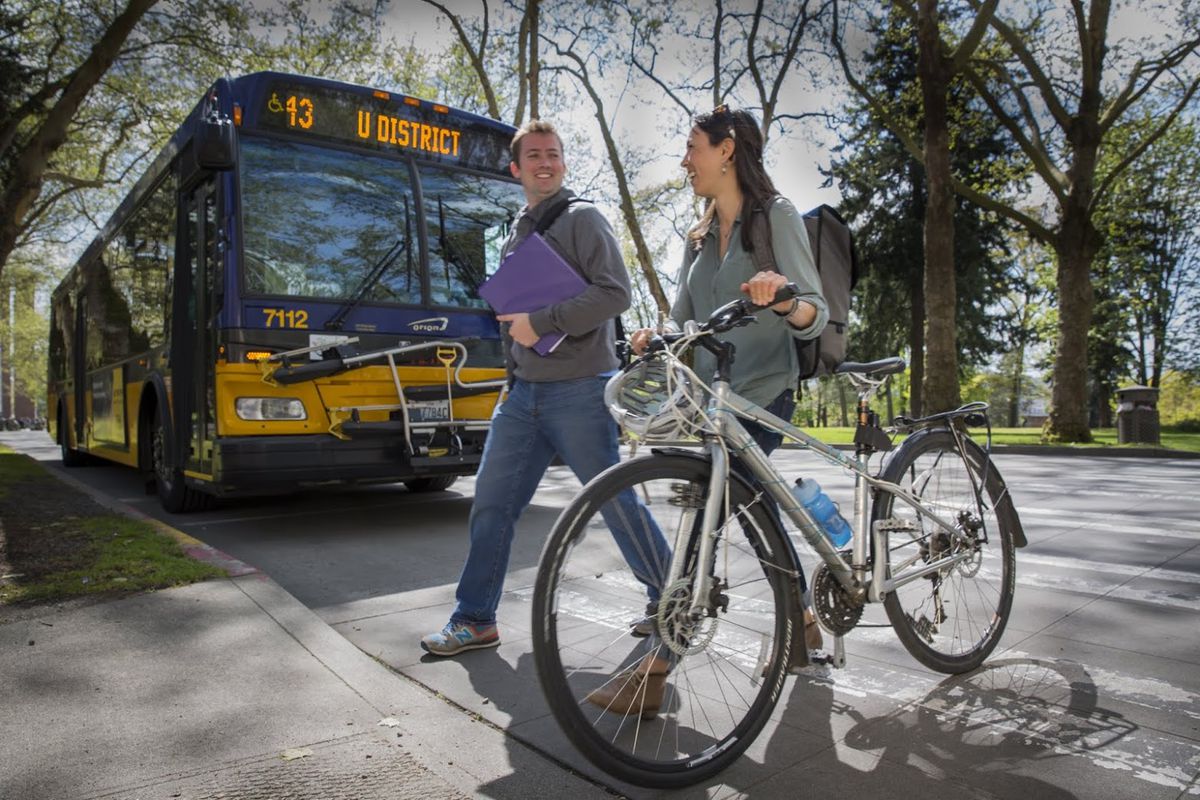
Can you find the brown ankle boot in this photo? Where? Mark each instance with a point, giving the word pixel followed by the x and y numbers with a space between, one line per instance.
pixel 636 689
pixel 812 631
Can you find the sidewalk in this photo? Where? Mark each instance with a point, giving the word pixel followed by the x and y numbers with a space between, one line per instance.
pixel 232 688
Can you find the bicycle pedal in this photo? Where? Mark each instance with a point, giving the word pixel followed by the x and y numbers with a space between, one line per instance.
pixel 819 657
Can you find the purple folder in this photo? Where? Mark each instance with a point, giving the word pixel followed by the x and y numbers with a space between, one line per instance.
pixel 532 277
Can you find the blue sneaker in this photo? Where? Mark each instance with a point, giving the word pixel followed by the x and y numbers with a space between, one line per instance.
pixel 459 636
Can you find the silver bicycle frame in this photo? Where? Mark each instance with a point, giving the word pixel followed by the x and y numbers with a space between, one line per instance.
pixel 723 413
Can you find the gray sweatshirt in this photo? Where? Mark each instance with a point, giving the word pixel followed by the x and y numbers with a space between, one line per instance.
pixel 585 240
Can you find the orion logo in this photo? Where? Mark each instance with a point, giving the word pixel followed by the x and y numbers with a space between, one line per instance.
pixel 431 325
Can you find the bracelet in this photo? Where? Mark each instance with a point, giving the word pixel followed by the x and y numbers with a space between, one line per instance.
pixel 790 311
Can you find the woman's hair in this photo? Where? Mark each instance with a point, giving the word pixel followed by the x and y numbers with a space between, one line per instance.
pixel 757 188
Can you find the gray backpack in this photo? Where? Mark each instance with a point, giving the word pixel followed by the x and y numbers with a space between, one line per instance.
pixel 837 265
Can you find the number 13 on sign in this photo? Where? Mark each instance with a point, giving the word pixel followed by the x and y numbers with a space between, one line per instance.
pixel 300 112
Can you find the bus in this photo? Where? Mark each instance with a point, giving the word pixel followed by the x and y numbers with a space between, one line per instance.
pixel 291 221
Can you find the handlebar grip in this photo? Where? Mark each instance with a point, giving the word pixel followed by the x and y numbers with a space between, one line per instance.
pixel 785 292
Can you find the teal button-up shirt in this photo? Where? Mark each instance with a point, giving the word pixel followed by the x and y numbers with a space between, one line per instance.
pixel 765 362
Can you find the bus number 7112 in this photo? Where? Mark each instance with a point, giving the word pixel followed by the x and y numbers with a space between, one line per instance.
pixel 286 318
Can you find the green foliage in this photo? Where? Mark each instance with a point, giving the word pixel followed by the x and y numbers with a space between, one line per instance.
pixel 1179 401
pixel 884 195
pixel 1148 273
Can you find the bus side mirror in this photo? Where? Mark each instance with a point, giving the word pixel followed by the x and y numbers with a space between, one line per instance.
pixel 215 145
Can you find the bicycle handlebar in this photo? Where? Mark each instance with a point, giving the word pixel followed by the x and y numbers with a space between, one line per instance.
pixel 732 315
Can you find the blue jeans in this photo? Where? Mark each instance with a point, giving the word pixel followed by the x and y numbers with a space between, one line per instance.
pixel 535 422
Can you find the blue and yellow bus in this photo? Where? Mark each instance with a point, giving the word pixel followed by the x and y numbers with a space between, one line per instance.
pixel 289 223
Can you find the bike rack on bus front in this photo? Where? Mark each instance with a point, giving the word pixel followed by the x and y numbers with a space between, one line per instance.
pixel 344 420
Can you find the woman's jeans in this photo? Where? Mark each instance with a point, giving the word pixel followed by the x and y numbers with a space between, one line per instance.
pixel 535 422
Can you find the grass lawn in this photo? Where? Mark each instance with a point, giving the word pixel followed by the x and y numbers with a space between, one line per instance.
pixel 1102 437
pixel 56 543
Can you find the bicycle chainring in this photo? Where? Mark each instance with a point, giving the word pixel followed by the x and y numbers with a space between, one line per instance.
pixel 838 613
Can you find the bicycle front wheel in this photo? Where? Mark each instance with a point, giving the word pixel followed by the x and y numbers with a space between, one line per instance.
pixel 951 618
pixel 706 686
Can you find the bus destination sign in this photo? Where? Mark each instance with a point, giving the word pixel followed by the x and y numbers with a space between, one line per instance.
pixel 382 123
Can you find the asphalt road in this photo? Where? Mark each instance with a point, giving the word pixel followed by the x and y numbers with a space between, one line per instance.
pixel 1094 691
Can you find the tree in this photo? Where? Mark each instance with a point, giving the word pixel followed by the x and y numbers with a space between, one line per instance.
pixel 1057 105
pixel 1062 122
pixel 1151 257
pixel 885 189
pixel 34 132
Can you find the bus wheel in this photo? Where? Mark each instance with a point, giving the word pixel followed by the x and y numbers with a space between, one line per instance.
pixel 70 456
pixel 439 483
pixel 173 492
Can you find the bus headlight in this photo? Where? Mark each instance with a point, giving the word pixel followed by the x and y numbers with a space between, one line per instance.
pixel 270 408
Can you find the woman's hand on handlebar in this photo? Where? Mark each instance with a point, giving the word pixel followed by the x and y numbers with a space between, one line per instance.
pixel 762 289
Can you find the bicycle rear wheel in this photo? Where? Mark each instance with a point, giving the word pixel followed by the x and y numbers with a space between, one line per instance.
pixel 727 669
pixel 951 619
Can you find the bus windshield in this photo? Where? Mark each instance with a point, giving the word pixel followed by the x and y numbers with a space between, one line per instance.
pixel 315 222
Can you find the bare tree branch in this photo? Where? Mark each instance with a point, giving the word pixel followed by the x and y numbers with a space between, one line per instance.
pixel 476 56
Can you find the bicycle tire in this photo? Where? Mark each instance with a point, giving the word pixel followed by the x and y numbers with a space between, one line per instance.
pixel 952 619
pixel 720 693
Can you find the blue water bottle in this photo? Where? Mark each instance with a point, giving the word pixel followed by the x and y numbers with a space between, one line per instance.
pixel 823 510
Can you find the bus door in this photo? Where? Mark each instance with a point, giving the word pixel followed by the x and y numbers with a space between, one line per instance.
pixel 193 345
pixel 79 370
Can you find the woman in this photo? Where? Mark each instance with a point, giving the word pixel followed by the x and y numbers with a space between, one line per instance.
pixel 724 165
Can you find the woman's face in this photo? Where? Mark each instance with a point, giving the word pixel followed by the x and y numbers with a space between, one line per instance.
pixel 703 162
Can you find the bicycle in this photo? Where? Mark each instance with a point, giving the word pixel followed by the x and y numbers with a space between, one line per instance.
pixel 934 538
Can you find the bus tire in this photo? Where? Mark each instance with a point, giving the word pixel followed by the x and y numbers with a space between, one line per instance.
pixel 438 483
pixel 174 494
pixel 71 457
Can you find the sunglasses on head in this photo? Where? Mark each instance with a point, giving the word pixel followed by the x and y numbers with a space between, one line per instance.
pixel 723 110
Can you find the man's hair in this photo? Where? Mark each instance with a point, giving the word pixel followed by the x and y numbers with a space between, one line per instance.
pixel 532 126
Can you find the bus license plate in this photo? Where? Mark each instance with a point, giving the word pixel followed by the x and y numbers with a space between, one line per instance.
pixel 429 410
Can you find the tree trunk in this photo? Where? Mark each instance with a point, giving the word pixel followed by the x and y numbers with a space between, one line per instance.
pixel 845 421
pixel 941 351
pixel 1075 249
pixel 1014 403
pixel 916 343
pixel 535 66
pixel 29 167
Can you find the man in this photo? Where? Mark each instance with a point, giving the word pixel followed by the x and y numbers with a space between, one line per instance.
pixel 555 403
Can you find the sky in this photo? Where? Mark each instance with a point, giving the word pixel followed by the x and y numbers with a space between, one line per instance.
pixel 793 163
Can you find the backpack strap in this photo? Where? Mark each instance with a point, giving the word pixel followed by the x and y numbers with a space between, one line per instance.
pixel 760 237
pixel 555 211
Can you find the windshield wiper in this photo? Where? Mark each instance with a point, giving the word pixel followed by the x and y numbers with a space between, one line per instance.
pixel 372 278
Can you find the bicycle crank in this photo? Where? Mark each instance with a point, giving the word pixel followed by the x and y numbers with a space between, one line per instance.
pixel 837 611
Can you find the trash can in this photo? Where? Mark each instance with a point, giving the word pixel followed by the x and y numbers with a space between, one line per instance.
pixel 1137 415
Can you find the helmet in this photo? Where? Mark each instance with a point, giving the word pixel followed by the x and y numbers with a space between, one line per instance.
pixel 656 399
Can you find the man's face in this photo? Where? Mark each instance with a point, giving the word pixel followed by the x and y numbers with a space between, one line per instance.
pixel 540 166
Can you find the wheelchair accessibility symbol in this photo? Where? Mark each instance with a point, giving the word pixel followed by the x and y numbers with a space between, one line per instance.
pixel 273 104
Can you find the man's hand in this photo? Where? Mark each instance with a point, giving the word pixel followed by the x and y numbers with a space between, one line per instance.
pixel 520 329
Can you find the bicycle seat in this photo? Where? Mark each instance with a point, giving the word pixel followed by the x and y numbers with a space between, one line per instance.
pixel 884 366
